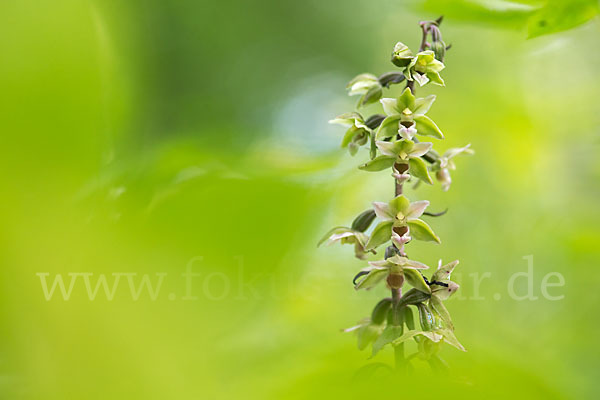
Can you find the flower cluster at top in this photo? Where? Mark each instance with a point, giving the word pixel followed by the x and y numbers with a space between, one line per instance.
pixel 394 143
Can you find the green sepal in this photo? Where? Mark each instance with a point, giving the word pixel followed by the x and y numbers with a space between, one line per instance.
pixel 418 169
pixel 438 307
pixel 349 135
pixel 436 337
pixel 378 164
pixel 371 280
pixel 415 279
pixel 451 339
pixel 373 148
pixel 434 77
pixel 421 231
pixel 444 272
pixel 388 127
pixel 399 204
pixel 381 234
pixel 372 96
pixel 406 100
pixel 426 127
pixel 333 231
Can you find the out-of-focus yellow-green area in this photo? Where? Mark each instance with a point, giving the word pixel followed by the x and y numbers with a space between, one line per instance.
pixel 157 137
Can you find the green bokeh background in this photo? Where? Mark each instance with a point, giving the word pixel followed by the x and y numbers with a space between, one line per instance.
pixel 140 135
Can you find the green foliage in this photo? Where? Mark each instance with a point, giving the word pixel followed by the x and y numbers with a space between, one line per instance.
pixel 394 146
pixel 536 17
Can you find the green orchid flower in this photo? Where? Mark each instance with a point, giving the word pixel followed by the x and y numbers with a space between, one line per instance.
pixel 425 68
pixel 436 325
pixel 345 235
pixel 444 165
pixel 401 55
pixel 366 85
pixel 400 218
pixel 441 289
pixel 407 112
pixel 395 270
pixel 407 158
pixel 358 133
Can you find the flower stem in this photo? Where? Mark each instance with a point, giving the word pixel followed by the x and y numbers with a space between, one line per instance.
pixel 398 189
pixel 399 349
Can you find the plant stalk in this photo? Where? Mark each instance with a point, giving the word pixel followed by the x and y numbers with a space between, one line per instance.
pixel 398 189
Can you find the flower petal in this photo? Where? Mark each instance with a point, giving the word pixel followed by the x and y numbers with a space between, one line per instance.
pixel 421 79
pixel 420 149
pixel 347 119
pixel 388 127
pixel 415 210
pixel 390 106
pixel 453 152
pixel 443 292
pixel 388 148
pixel 399 204
pixel 383 210
pixel 443 272
pixel 422 105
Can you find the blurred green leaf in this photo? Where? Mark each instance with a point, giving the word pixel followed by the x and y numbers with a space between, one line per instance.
pixel 560 15
pixel 389 334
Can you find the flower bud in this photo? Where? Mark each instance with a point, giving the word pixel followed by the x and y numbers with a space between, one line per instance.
pixel 363 221
pixel 425 317
pixel 362 83
pixel 439 49
pixel 412 297
pixel 381 310
pixel 401 56
pixel 443 176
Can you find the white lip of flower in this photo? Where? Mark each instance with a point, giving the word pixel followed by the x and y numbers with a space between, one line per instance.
pixel 400 240
pixel 407 133
pixel 400 177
